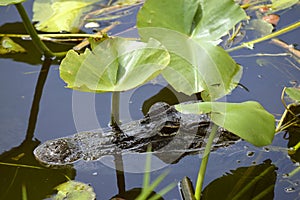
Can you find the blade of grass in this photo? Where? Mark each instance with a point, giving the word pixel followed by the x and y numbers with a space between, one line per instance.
pixel 20 165
pixel 201 173
pixel 146 181
pixel 147 191
pixel 269 36
pixel 163 191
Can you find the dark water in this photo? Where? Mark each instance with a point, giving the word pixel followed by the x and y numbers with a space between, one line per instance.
pixel 32 113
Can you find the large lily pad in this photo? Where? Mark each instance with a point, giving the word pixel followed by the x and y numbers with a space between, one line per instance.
pixel 60 15
pixel 196 63
pixel 249 120
pixel 114 65
pixel 9 2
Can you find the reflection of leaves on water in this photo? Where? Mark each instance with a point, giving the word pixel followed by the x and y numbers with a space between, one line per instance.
pixel 7 46
pixel 244 183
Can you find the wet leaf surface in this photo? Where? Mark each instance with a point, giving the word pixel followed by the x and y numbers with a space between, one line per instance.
pixel 114 65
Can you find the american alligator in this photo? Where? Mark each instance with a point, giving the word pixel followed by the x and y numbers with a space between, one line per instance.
pixel 163 127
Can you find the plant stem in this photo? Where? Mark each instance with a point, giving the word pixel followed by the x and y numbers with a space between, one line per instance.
pixel 54 35
pixel 115 107
pixel 114 122
pixel 33 34
pixel 295 171
pixel 269 36
pixel 204 162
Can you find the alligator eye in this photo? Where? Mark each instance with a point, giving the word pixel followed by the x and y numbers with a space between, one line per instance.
pixel 169 129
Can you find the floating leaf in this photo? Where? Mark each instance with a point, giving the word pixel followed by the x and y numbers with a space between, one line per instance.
pixel 283 4
pixel 293 93
pixel 9 2
pixel 73 190
pixel 60 15
pixel 249 120
pixel 260 26
pixel 196 63
pixel 7 45
pixel 115 64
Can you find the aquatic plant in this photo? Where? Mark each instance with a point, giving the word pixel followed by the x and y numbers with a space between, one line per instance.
pixel 184 44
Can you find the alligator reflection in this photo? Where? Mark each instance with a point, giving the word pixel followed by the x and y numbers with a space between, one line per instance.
pixel 244 183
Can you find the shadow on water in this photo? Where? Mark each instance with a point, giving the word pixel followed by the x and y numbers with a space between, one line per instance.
pixel 19 165
pixel 244 183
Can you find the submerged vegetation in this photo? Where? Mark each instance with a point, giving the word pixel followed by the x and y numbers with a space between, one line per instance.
pixel 181 41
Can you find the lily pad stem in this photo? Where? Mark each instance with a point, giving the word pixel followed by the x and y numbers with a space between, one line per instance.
pixel 115 107
pixel 204 162
pixel 33 34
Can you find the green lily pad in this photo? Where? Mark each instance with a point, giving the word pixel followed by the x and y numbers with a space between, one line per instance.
pixel 7 46
pixel 197 66
pixel 179 26
pixel 293 93
pixel 60 15
pixel 116 64
pixel 9 2
pixel 74 190
pixel 249 120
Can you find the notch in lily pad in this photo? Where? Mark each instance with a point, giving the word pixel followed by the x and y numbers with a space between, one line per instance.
pixel 190 30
